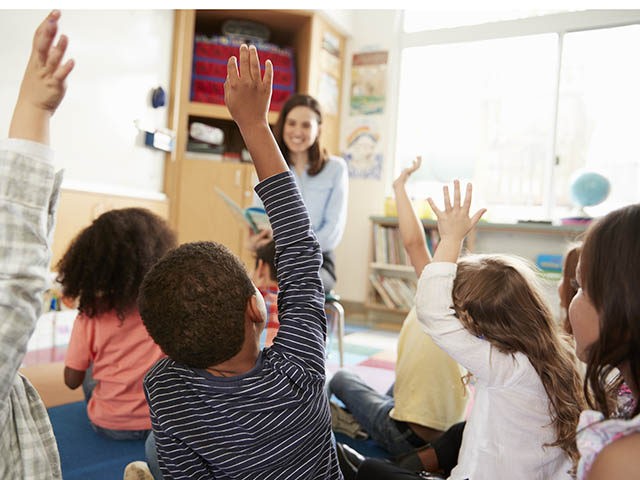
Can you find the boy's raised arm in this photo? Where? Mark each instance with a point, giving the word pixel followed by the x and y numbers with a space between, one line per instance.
pixel 247 95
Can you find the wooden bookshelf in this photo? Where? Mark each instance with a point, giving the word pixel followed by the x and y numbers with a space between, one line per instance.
pixel 387 258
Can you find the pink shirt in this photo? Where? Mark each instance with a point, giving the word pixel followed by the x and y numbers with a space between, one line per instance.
pixel 121 354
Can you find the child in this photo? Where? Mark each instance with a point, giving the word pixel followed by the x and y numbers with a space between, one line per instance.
pixel 487 312
pixel 103 269
pixel 428 395
pixel 266 280
pixel 220 407
pixel 29 191
pixel 567 288
pixel 604 317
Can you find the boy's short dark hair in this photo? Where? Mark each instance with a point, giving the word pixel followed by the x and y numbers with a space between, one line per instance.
pixel 267 253
pixel 193 303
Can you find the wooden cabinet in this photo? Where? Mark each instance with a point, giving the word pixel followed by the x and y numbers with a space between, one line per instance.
pixel 77 209
pixel 196 212
pixel 392 280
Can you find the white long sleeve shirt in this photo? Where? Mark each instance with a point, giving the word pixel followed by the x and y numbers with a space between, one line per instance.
pixel 509 422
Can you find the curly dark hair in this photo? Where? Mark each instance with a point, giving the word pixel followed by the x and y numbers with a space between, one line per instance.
pixel 106 262
pixel 610 276
pixel 318 156
pixel 193 303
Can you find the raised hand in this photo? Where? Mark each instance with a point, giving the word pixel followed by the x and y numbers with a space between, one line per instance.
pixel 43 84
pixel 454 222
pixel 247 93
pixel 406 173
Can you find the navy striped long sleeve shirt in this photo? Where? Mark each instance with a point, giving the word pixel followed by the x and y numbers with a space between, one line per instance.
pixel 272 422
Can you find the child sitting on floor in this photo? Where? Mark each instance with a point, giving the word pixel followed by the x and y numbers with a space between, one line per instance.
pixel 266 280
pixel 428 395
pixel 29 190
pixel 489 314
pixel 604 317
pixel 220 407
pixel 110 350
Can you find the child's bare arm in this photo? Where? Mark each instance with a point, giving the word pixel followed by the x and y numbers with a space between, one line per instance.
pixel 247 96
pixel 454 222
pixel 411 230
pixel 43 85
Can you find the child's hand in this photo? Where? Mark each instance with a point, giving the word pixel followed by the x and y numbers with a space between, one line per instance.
pixel 406 173
pixel 454 222
pixel 246 94
pixel 43 85
pixel 256 240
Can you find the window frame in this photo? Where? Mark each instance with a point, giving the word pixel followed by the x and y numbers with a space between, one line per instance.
pixel 555 23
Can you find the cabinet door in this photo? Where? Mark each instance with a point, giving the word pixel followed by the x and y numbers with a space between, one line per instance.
pixel 202 214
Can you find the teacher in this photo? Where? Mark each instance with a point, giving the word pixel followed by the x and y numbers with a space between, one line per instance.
pixel 323 179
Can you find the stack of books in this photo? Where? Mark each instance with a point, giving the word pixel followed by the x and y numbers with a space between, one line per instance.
pixel 204 151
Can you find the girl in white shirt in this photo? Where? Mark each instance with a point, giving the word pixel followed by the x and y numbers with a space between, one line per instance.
pixel 487 312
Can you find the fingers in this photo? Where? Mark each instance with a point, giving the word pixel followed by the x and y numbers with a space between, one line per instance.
pixel 254 64
pixel 63 71
pixel 56 53
pixel 456 194
pixel 232 70
pixel 435 209
pixel 267 81
pixel 244 62
pixel 447 199
pixel 467 197
pixel 44 36
pixel 476 218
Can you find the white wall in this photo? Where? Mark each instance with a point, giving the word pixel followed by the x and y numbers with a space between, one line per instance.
pixel 120 56
pixel 372 30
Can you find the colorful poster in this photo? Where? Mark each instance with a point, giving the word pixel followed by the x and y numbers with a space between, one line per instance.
pixel 363 152
pixel 368 82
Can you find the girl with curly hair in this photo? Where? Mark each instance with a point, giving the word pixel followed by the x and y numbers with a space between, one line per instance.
pixel 110 350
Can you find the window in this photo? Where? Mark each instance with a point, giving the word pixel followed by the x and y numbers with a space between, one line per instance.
pixel 518 115
pixel 417 20
pixel 599 114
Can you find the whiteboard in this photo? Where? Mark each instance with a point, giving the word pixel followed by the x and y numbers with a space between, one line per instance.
pixel 120 55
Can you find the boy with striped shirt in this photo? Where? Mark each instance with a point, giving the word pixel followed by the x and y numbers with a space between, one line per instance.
pixel 220 407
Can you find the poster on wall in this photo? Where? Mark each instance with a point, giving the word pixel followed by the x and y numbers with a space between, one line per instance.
pixel 328 93
pixel 363 151
pixel 368 82
pixel 328 85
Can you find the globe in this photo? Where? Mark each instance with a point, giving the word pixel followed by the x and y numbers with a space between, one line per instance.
pixel 589 188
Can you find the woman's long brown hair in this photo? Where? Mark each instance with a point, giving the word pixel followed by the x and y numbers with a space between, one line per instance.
pixel 499 298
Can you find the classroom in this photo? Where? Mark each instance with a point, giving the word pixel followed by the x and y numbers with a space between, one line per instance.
pixel 537 108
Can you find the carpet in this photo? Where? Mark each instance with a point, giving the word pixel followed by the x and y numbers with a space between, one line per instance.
pixel 84 454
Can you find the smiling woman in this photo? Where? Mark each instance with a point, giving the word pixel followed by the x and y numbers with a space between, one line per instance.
pixel 322 178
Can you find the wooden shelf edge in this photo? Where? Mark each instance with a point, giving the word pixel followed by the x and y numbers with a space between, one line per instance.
pixel 391 267
pixel 384 308
pixel 212 110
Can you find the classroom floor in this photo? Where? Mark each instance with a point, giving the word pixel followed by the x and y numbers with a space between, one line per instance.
pixel 368 351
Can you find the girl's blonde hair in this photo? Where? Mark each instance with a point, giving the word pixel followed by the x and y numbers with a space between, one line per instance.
pixel 499 298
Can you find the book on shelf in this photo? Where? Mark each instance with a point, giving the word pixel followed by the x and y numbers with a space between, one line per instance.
pixel 382 293
pixel 254 217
